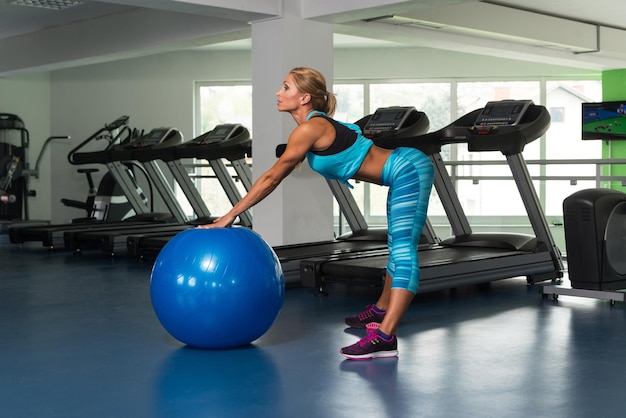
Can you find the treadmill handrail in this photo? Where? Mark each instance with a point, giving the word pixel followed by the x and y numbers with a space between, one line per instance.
pixel 110 127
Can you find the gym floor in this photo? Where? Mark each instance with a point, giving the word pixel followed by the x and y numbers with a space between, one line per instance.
pixel 79 339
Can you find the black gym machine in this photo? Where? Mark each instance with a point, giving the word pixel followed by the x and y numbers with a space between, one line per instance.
pixel 15 171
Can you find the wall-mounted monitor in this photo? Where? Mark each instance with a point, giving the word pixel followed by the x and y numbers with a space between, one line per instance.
pixel 604 120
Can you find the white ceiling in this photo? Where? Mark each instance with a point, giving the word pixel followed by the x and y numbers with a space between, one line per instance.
pixel 601 12
pixel 575 33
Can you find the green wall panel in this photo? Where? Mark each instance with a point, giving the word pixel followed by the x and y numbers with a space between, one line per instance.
pixel 613 89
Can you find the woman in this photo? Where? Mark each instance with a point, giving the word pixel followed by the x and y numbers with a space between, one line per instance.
pixel 339 151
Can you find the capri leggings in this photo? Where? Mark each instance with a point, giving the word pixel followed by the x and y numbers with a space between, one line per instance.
pixel 409 174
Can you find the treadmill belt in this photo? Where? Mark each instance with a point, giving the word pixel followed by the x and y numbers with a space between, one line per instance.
pixel 440 267
pixel 327 248
pixel 430 257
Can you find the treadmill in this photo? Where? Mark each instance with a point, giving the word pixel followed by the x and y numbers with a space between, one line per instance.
pixel 465 258
pixel 228 141
pixel 118 134
pixel 386 124
pixel 143 150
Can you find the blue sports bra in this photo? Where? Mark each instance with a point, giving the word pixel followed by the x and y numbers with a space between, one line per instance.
pixel 344 157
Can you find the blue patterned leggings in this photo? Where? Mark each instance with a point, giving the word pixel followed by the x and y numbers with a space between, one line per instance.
pixel 409 174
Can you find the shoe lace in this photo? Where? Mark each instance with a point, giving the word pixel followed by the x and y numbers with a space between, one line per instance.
pixel 370 337
pixel 368 313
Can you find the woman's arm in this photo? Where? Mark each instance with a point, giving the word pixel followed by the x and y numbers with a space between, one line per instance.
pixel 300 141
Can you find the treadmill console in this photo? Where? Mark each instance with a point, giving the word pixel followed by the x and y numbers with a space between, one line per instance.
pixel 117 123
pixel 157 136
pixel 387 119
pixel 502 113
pixel 222 133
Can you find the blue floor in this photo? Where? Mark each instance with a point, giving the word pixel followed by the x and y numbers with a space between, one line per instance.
pixel 79 339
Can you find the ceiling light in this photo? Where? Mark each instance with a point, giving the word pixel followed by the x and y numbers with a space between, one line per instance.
pixel 47 4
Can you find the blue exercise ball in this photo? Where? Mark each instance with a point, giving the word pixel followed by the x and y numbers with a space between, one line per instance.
pixel 217 288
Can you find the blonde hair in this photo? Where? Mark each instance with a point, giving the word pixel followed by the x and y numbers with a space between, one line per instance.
pixel 308 80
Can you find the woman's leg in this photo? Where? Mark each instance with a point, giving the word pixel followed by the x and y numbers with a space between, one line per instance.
pixel 395 302
pixel 383 300
pixel 410 179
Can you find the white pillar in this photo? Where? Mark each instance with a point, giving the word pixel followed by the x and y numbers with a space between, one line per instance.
pixel 300 209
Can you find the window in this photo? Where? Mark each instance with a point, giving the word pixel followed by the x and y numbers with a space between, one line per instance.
pixel 481 198
pixel 557 114
pixel 215 105
pixel 218 104
pixel 430 98
pixel 350 101
pixel 563 141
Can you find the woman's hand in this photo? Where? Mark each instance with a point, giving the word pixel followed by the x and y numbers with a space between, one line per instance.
pixel 221 222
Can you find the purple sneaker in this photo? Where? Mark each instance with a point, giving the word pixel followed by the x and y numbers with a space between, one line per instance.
pixel 371 346
pixel 369 315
